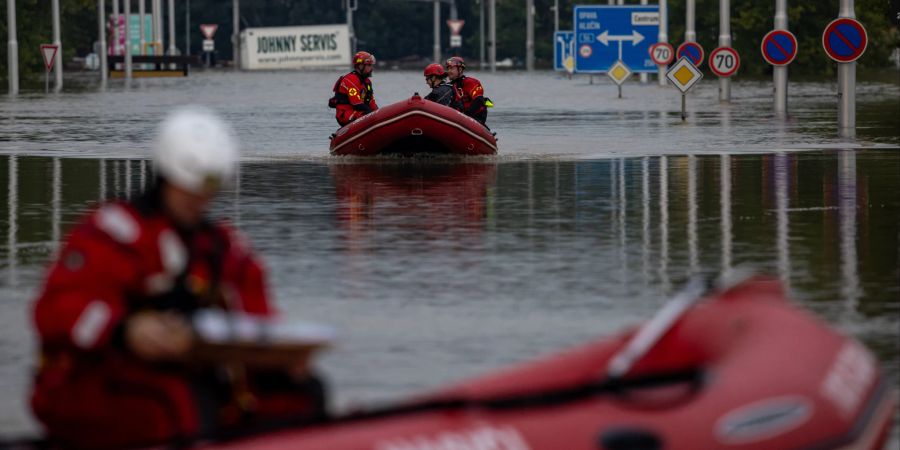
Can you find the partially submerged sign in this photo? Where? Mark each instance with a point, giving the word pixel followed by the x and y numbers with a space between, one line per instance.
pixel 48 51
pixel 684 75
pixel 295 47
pixel 845 40
pixel 662 53
pixel 724 61
pixel 779 47
pixel 619 72
pixel 692 51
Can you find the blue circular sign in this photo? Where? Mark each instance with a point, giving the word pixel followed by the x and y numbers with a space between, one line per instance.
pixel 779 47
pixel 845 40
pixel 692 51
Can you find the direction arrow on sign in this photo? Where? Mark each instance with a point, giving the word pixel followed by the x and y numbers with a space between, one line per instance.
pixel 692 51
pixel 563 48
pixel 209 30
pixel 845 40
pixel 662 53
pixel 724 61
pixel 455 26
pixel 684 75
pixel 48 51
pixel 606 34
pixel 779 47
pixel 634 37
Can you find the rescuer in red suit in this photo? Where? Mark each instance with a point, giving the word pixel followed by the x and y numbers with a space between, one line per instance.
pixel 469 91
pixel 114 315
pixel 353 95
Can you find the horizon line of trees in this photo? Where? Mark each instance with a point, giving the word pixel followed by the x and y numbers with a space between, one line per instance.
pixel 403 29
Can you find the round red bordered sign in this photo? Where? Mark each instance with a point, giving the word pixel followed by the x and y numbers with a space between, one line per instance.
pixel 585 51
pixel 779 47
pixel 845 40
pixel 692 51
pixel 662 53
pixel 724 61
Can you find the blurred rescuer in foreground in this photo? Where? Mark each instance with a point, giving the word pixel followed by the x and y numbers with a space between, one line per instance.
pixel 353 95
pixel 117 366
pixel 441 91
pixel 469 91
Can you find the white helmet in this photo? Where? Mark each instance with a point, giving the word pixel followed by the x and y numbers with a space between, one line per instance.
pixel 195 150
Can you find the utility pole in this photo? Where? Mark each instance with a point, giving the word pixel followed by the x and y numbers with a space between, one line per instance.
pixel 724 41
pixel 643 76
pixel 101 14
pixel 437 31
pixel 847 84
pixel 481 30
pixel 128 67
pixel 236 33
pixel 116 18
pixel 780 73
pixel 690 33
pixel 143 9
pixel 492 34
pixel 172 48
pixel 351 6
pixel 12 53
pixel 663 36
pixel 187 28
pixel 529 35
pixel 555 16
pixel 57 87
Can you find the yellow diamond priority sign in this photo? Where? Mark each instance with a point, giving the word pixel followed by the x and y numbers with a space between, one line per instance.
pixel 619 72
pixel 684 75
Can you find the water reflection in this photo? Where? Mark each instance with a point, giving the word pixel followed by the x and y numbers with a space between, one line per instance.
pixel 455 253
pixel 847 186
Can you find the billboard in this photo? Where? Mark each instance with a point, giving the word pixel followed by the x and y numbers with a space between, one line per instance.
pixel 295 47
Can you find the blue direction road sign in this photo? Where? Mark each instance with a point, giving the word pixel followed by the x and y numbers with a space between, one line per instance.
pixel 779 47
pixel 845 40
pixel 606 34
pixel 563 48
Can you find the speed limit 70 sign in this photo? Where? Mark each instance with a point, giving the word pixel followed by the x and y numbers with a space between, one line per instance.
pixel 724 61
pixel 662 53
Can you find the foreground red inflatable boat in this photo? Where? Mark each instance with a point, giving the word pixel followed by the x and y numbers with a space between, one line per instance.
pixel 414 126
pixel 742 370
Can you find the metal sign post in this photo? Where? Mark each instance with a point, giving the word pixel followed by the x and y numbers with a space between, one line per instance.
pixel 437 31
pixel 780 72
pixel 663 37
pixel 48 52
pixel 12 48
pixel 58 43
pixel 684 75
pixel 845 40
pixel 724 42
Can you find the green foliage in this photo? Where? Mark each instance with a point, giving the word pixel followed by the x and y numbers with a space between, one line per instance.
pixel 395 29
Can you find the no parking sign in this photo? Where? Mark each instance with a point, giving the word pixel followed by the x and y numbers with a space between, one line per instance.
pixel 692 51
pixel 845 40
pixel 779 47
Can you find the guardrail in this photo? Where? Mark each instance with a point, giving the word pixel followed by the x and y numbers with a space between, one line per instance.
pixel 163 65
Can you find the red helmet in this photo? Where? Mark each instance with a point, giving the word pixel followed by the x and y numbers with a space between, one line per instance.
pixel 361 58
pixel 435 70
pixel 456 61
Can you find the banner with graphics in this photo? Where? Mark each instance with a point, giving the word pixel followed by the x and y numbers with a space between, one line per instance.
pixel 295 47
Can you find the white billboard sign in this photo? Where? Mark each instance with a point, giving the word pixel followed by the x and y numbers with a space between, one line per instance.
pixel 295 47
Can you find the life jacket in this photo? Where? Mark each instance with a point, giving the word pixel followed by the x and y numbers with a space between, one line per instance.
pixel 340 98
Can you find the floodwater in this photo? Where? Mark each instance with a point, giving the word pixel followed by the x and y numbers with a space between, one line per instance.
pixel 437 269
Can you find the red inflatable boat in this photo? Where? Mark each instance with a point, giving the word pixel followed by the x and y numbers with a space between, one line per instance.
pixel 741 370
pixel 414 126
